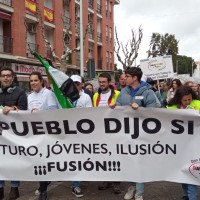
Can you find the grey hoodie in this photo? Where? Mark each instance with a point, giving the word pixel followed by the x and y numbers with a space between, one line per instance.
pixel 144 97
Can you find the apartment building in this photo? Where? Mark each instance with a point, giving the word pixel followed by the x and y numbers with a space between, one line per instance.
pixel 20 29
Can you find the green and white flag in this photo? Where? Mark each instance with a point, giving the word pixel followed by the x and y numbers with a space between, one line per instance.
pixel 63 86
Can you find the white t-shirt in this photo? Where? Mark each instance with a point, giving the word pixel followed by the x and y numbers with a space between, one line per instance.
pixel 83 101
pixel 42 100
pixel 104 99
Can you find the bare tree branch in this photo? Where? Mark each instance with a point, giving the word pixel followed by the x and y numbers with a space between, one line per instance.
pixel 130 50
pixel 117 50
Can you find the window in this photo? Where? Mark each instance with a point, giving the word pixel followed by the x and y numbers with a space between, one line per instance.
pixel 107 34
pixel 91 51
pixel 48 4
pixel 107 59
pixel 110 57
pixel 106 5
pixel 110 32
pixel 106 31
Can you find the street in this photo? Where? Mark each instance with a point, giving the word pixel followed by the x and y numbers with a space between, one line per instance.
pixel 62 191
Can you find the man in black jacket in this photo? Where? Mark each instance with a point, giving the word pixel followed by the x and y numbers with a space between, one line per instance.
pixel 11 98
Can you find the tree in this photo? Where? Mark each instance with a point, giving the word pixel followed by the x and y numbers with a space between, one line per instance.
pixel 161 45
pixel 185 65
pixel 130 50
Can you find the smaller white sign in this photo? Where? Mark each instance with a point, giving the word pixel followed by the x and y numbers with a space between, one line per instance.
pixel 158 67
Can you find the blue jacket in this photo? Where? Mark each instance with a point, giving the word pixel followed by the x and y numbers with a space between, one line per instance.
pixel 143 96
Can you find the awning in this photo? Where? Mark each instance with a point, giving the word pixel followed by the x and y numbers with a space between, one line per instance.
pixel 4 15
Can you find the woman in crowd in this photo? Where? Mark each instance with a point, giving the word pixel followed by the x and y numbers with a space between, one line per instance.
pixel 41 99
pixel 195 88
pixel 164 91
pixel 186 98
pixel 89 87
pixel 175 84
pixel 188 83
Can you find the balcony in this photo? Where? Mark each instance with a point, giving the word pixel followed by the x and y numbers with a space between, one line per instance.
pixel 33 47
pixel 77 25
pixel 78 62
pixel 48 15
pixel 99 37
pixel 90 4
pixel 30 13
pixel 99 9
pixel 6 44
pixel 6 2
pixel 67 22
pixel 91 34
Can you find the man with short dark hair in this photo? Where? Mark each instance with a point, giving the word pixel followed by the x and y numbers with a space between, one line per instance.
pixel 106 93
pixel 105 96
pixel 11 98
pixel 137 94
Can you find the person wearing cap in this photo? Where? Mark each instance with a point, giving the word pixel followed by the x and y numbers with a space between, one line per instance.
pixel 83 101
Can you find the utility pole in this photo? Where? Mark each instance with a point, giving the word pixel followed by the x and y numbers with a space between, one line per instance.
pixel 81 40
pixel 177 66
pixel 192 69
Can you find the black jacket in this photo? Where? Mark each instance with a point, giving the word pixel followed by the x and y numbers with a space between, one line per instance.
pixel 16 98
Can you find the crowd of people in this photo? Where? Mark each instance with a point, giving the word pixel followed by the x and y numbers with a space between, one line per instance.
pixel 134 89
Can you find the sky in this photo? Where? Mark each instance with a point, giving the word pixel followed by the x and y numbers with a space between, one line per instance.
pixel 176 17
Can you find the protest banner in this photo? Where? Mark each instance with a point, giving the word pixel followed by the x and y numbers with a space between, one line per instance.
pixel 101 144
pixel 157 68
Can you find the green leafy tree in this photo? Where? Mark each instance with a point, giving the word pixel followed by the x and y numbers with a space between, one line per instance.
pixel 185 65
pixel 161 45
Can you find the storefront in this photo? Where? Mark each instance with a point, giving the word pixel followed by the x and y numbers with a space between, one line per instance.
pixel 23 72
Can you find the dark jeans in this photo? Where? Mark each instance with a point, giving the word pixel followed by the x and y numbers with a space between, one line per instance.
pixel 43 186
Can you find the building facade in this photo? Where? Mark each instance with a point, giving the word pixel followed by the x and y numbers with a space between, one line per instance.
pixel 21 31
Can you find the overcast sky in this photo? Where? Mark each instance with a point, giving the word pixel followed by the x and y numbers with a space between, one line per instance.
pixel 177 17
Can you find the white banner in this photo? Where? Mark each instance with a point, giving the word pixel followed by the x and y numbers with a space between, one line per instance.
pixel 101 144
pixel 158 67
